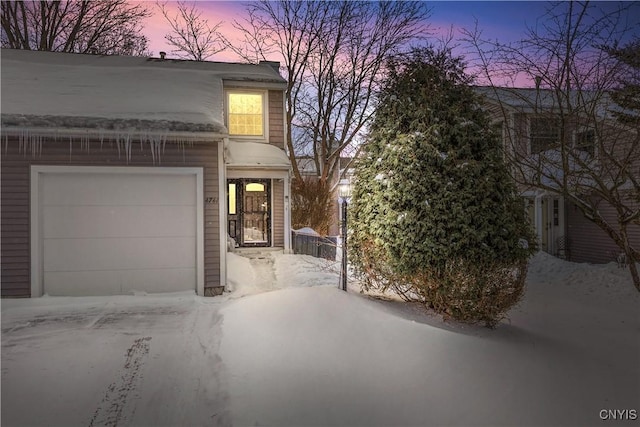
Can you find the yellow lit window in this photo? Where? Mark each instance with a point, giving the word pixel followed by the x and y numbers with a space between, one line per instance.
pixel 232 199
pixel 254 187
pixel 246 114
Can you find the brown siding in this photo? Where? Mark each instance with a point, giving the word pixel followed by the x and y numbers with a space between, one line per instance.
pixel 278 212
pixel 15 188
pixel 276 118
pixel 587 241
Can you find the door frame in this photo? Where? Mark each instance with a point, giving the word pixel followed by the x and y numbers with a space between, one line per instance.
pixel 239 222
pixel 549 219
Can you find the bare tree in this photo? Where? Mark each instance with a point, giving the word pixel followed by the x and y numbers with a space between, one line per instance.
pixel 191 34
pixel 563 135
pixel 105 27
pixel 334 54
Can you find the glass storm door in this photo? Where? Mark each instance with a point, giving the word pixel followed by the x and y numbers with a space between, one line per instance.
pixel 249 215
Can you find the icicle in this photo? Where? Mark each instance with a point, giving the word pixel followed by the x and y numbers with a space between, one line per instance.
pixel 128 143
pixel 152 147
pixel 161 147
pixel 6 144
pixel 70 147
pixel 23 143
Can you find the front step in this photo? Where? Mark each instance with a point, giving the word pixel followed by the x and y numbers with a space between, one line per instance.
pixel 258 253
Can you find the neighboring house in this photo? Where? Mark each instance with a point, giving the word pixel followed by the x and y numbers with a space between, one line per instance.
pixel 531 133
pixel 124 174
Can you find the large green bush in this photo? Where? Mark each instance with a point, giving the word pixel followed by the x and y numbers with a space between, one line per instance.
pixel 435 214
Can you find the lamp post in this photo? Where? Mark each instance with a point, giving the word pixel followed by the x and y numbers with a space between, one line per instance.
pixel 344 193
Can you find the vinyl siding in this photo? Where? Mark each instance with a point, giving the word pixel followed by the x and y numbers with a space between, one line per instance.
pixel 15 188
pixel 276 118
pixel 588 242
pixel 278 212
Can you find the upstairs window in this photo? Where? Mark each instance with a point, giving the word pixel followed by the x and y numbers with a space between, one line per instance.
pixel 544 133
pixel 246 113
pixel 585 140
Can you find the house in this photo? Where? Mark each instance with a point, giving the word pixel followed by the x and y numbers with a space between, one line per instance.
pixel 533 124
pixel 128 174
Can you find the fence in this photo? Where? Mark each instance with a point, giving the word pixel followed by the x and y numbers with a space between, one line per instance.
pixel 314 245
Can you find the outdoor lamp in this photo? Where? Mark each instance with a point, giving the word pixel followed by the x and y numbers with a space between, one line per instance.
pixel 344 189
pixel 344 192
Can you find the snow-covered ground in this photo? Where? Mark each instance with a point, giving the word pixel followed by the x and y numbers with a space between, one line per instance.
pixel 287 347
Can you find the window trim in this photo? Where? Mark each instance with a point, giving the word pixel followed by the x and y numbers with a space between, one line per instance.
pixel 265 113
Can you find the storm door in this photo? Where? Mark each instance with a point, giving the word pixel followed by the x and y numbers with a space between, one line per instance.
pixel 249 215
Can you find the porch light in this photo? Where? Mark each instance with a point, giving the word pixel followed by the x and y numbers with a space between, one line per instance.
pixel 344 189
pixel 344 192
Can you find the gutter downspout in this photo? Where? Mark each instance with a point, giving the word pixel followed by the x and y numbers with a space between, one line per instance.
pixel 222 209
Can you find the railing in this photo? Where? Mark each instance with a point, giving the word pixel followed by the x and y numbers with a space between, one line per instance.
pixel 306 243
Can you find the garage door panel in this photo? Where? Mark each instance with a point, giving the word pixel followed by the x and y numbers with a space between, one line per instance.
pixel 114 282
pixel 105 231
pixel 118 189
pixel 118 221
pixel 118 254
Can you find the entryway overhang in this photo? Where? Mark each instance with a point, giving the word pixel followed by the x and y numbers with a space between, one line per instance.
pixel 240 154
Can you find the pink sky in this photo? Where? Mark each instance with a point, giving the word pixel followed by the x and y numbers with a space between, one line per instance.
pixel 505 21
pixel 214 11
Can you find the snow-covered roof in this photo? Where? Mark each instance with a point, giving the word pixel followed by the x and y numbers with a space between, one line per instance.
pixel 63 90
pixel 531 99
pixel 255 154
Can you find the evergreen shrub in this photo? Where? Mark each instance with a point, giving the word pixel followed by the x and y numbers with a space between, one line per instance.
pixel 435 214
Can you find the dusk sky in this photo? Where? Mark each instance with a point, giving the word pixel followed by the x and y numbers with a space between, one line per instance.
pixel 502 20
pixel 505 21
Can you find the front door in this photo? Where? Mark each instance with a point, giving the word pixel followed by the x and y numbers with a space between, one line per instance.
pixel 547 215
pixel 249 214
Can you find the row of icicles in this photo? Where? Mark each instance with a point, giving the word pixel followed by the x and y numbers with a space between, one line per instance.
pixel 29 143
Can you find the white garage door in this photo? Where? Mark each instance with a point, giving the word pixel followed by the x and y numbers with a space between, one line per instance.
pixel 117 233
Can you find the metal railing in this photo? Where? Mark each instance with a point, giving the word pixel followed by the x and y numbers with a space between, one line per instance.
pixel 316 246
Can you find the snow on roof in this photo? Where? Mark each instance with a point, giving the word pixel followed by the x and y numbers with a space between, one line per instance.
pixel 256 154
pixel 62 90
pixel 530 99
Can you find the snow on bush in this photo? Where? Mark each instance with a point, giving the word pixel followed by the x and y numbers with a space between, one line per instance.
pixel 446 228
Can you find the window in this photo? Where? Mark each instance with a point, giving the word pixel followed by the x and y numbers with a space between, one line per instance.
pixel 232 199
pixel 246 113
pixel 544 134
pixel 585 140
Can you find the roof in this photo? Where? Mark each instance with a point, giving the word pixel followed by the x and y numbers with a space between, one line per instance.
pixel 64 90
pixel 531 99
pixel 255 155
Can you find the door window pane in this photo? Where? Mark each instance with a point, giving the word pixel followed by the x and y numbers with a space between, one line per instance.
pixel 232 199
pixel 254 186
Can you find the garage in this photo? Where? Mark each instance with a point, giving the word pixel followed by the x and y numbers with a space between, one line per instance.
pixel 116 230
